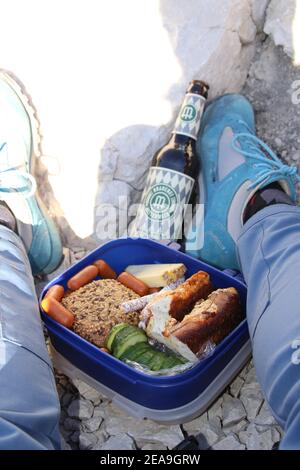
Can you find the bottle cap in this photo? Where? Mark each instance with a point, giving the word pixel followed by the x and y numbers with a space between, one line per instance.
pixel 199 86
pixel 201 82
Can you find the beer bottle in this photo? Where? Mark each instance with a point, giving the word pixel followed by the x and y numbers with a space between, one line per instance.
pixel 173 172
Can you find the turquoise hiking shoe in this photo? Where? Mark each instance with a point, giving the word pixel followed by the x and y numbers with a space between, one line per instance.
pixel 19 145
pixel 234 165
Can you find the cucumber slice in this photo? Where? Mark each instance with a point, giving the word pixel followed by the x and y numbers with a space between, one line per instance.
pixel 171 361
pixel 113 333
pixel 176 362
pixel 182 360
pixel 133 353
pixel 123 333
pixel 128 330
pixel 157 361
pixel 120 346
pixel 168 361
pixel 145 358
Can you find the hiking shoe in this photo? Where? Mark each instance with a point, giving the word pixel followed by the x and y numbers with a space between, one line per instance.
pixel 19 146
pixel 235 163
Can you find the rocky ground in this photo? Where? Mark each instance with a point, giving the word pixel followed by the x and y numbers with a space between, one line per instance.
pixel 240 418
pixel 270 87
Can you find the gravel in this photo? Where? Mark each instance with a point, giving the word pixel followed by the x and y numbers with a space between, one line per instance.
pixel 82 409
pixel 118 442
pixel 71 424
pixel 229 443
pixel 211 433
pixel 153 447
pixel 228 424
pixel 93 424
pixel 264 417
pixel 236 386
pixel 240 418
pixel 252 401
pixel 270 89
pixel 87 441
pixel 233 411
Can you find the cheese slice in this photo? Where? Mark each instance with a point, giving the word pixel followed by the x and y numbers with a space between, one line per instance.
pixel 157 275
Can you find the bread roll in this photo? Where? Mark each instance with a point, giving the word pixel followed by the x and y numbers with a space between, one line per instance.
pixel 210 320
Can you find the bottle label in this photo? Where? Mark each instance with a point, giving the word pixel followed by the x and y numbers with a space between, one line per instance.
pixel 161 212
pixel 189 118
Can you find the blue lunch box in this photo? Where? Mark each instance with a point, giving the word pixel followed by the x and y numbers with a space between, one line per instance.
pixel 170 400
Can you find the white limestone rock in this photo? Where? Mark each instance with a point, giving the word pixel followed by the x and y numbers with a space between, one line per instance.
pixel 196 425
pixel 265 417
pixel 255 440
pixel 170 436
pixel 65 264
pixel 236 386
pixel 87 441
pixel 277 434
pixel 265 68
pixel 147 432
pixel 250 375
pixel 143 431
pixel 94 423
pixel 235 428
pixel 208 432
pixel 233 411
pixel 244 371
pixel 216 409
pixel 154 446
pixel 207 38
pixel 252 401
pixel 229 443
pixel 80 254
pixel 259 8
pixel 81 409
pixel 102 437
pixel 211 433
pixel 87 392
pixel 118 442
pixel 280 22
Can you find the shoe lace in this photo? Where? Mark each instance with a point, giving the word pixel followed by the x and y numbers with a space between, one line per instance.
pixel 270 166
pixel 13 173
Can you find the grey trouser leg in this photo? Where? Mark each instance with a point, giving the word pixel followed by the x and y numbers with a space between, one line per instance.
pixel 269 250
pixel 29 405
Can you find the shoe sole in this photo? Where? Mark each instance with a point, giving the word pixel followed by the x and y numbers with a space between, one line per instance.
pixel 36 138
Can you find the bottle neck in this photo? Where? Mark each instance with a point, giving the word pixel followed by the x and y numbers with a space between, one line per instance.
pixel 181 139
pixel 189 118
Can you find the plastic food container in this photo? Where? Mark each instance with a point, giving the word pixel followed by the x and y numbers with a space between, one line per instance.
pixel 170 400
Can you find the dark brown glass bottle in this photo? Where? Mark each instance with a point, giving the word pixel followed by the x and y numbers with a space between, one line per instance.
pixel 179 153
pixel 172 176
